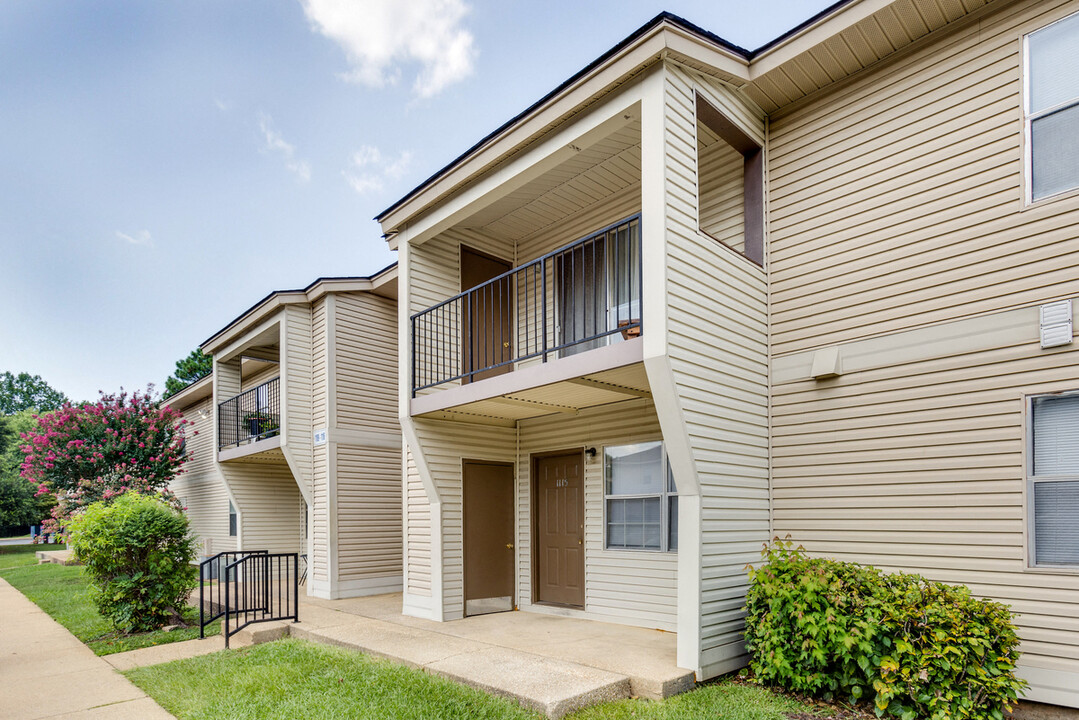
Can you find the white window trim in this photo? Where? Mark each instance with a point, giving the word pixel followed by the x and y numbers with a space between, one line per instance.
pixel 664 504
pixel 1029 118
pixel 1030 479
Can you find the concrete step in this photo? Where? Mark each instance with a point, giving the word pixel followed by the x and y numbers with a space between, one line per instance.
pixel 550 686
pixel 57 557
pixel 258 633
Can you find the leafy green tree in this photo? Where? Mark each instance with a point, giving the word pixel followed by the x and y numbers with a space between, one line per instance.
pixel 194 367
pixel 20 504
pixel 25 392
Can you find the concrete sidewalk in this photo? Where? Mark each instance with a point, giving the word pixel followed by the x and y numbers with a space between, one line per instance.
pixel 46 672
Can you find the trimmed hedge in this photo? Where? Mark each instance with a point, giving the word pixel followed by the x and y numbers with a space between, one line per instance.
pixel 137 552
pixel 915 648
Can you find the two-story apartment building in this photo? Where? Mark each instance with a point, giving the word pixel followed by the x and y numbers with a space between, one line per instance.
pixel 298 447
pixel 699 296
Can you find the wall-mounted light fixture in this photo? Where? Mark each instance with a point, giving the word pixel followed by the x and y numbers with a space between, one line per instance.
pixel 590 453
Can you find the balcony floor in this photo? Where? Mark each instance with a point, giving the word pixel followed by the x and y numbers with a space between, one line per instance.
pixel 565 385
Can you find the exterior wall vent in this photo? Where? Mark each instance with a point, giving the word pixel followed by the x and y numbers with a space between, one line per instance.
pixel 1056 324
pixel 826 363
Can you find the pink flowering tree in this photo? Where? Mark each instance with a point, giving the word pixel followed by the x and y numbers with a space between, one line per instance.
pixel 98 451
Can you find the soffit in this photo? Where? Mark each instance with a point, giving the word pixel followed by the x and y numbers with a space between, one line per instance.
pixel 854 48
pixel 592 175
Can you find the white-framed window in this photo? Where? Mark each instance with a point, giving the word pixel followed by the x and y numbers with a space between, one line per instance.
pixel 640 498
pixel 1051 104
pixel 232 519
pixel 1053 479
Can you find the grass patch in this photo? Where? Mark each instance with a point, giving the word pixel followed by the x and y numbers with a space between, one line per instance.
pixel 296 679
pixel 19 555
pixel 64 593
pixel 720 699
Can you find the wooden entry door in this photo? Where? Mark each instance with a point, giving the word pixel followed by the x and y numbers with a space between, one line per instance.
pixel 558 483
pixel 485 335
pixel 487 499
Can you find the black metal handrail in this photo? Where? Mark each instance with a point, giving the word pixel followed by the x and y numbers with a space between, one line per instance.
pixel 260 587
pixel 210 570
pixel 252 415
pixel 583 295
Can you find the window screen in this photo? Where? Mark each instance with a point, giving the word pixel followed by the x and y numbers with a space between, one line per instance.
pixel 1055 479
pixel 1053 107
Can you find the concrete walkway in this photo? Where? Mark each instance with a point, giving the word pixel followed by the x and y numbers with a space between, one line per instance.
pixel 46 672
pixel 552 664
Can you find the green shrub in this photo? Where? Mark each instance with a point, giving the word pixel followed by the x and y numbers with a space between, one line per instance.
pixel 137 551
pixel 917 649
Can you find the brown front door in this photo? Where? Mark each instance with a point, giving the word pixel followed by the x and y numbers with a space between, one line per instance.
pixel 558 484
pixel 485 336
pixel 488 536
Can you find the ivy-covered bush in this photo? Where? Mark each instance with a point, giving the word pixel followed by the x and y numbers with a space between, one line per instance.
pixel 915 648
pixel 137 551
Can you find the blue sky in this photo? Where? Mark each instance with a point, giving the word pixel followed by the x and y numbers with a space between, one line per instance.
pixel 166 164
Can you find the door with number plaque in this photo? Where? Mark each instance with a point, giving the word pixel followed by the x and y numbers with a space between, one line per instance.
pixel 558 491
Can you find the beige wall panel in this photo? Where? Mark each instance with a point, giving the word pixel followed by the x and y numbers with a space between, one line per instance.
pixel 445 446
pixel 896 200
pixel 417 528
pixel 717 345
pixel 319 557
pixel 918 466
pixel 627 587
pixel 262 372
pixel 270 505
pixel 366 363
pixel 200 486
pixel 297 391
pixel 368 512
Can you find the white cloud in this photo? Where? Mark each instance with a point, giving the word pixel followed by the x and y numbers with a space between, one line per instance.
pixel 371 169
pixel 379 36
pixel 276 144
pixel 142 237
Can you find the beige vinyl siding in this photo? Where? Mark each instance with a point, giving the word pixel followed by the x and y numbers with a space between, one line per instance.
pixel 270 506
pixel 717 344
pixel 445 446
pixel 365 340
pixel 417 517
pixel 296 391
pixel 721 204
pixel 200 486
pixel 895 200
pixel 320 398
pixel 627 587
pixel 368 512
pixel 918 466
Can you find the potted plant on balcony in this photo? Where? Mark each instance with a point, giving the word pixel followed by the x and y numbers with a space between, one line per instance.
pixel 260 424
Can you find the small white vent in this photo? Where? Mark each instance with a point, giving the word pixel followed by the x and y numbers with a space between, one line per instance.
pixel 1056 323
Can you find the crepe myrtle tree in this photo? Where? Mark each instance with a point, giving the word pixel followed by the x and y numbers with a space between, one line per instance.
pixel 98 451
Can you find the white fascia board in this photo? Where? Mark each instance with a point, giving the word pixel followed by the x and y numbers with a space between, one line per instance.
pixel 596 125
pixel 648 48
pixel 226 337
pixel 238 344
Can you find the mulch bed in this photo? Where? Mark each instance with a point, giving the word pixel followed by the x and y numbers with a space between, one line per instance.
pixel 824 710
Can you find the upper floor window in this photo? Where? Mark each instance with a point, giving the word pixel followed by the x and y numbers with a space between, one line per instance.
pixel 1052 108
pixel 1054 479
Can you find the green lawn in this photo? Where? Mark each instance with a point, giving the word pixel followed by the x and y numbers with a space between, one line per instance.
pixel 64 593
pixel 294 678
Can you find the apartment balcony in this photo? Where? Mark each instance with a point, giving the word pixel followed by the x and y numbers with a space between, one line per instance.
pixel 554 334
pixel 250 422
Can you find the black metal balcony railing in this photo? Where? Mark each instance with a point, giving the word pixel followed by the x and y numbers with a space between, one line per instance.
pixel 252 415
pixel 581 296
